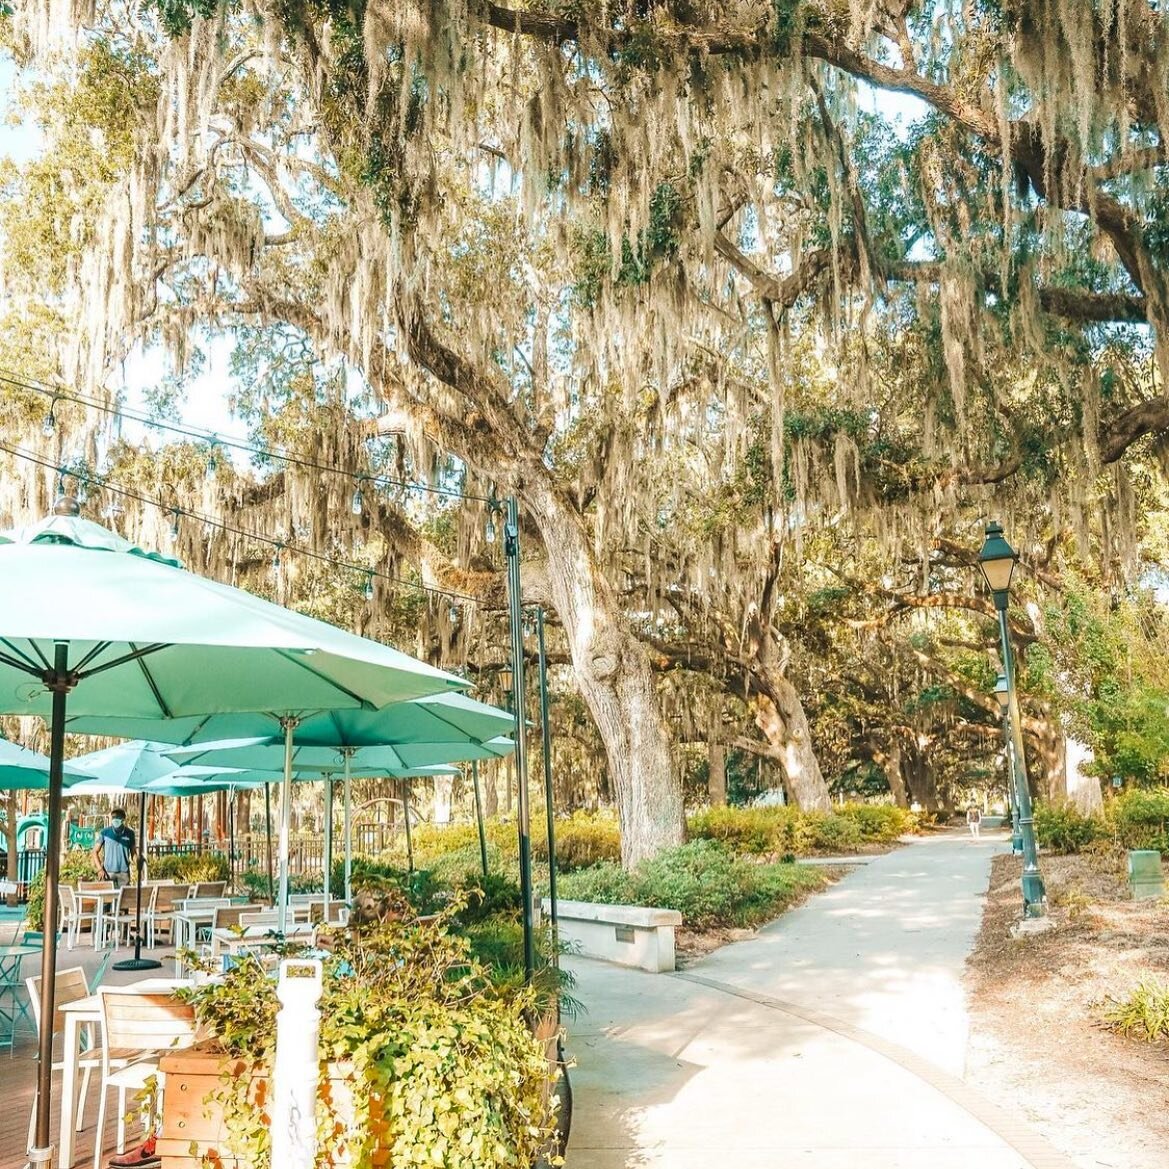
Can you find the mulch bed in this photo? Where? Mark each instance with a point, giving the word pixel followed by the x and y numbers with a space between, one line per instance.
pixel 1036 1038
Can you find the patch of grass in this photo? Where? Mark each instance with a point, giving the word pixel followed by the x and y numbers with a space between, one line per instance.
pixel 1142 1014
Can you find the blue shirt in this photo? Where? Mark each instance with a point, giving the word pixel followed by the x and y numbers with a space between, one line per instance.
pixel 117 844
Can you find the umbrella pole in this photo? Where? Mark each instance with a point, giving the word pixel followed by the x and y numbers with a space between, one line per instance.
pixel 60 682
pixel 328 848
pixel 268 833
pixel 406 818
pixel 231 798
pixel 549 795
pixel 347 755
pixel 138 962
pixel 289 723
pixel 479 814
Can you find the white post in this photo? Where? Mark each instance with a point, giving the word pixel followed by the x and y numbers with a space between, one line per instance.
pixel 297 1069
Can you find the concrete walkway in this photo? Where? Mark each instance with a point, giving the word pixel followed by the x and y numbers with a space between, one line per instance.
pixel 834 1039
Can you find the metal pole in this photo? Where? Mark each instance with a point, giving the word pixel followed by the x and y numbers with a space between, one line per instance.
pixel 523 813
pixel 1034 893
pixel 479 814
pixel 289 723
pixel 406 817
pixel 347 755
pixel 1012 787
pixel 328 848
pixel 138 962
pixel 549 797
pixel 268 833
pixel 60 682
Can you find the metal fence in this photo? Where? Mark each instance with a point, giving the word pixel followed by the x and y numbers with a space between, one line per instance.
pixel 306 854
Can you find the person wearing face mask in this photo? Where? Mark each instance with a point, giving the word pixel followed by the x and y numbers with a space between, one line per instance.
pixel 114 850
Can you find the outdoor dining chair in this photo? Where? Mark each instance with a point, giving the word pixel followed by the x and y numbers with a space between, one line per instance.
pixel 71 986
pixel 136 1028
pixel 127 919
pixel 73 916
pixel 228 916
pixel 209 889
pixel 166 905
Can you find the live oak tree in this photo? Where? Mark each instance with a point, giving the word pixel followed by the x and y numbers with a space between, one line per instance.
pixel 615 256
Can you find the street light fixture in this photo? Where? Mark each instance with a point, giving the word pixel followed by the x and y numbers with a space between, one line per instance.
pixel 1003 693
pixel 997 562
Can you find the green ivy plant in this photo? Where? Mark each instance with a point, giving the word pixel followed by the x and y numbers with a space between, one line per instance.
pixel 440 1060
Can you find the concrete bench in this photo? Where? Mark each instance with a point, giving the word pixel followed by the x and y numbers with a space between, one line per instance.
pixel 630 935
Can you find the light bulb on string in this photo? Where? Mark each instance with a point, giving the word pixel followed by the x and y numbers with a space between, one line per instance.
pixel 49 426
pixel 212 461
pixel 367 591
pixel 174 523
pixel 358 504
pixel 276 564
pixel 489 530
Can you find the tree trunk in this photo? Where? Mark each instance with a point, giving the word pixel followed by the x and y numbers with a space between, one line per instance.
pixel 1083 791
pixel 443 791
pixel 779 714
pixel 890 763
pixel 615 678
pixel 488 778
pixel 716 780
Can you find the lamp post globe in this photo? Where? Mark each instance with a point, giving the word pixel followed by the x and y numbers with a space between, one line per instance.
pixel 997 562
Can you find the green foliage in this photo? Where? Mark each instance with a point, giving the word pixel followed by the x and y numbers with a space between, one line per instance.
pixel 1141 818
pixel 1142 1014
pixel 1063 828
pixel 177 16
pixel 583 839
pixel 193 867
pixel 255 883
pixel 441 1063
pixel 780 831
pixel 706 882
pixel 76 865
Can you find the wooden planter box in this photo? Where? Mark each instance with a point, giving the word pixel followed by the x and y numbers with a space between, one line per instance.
pixel 193 1131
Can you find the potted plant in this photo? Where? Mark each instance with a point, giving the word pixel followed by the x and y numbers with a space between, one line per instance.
pixel 426 1058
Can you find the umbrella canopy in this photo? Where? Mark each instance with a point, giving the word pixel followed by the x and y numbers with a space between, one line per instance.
pixel 409 734
pixel 25 770
pixel 150 640
pixel 90 624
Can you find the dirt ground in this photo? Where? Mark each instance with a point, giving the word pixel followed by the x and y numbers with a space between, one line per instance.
pixel 1035 1037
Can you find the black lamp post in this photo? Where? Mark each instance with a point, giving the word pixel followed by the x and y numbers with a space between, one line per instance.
pixel 1003 693
pixel 997 561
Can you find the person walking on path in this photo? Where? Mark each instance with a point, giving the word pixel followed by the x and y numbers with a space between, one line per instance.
pixel 974 820
pixel 115 849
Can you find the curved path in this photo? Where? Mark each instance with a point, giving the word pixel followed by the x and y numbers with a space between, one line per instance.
pixel 834 1039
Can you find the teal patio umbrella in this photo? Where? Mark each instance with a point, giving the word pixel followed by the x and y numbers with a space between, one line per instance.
pixel 426 732
pixel 25 770
pixel 91 624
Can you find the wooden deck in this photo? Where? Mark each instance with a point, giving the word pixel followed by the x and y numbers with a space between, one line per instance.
pixel 18 1071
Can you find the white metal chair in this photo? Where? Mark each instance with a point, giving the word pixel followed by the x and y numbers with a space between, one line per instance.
pixel 70 986
pixel 72 916
pixel 136 1028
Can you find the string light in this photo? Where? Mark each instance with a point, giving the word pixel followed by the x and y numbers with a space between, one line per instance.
pixel 174 523
pixel 367 592
pixel 108 485
pixel 212 460
pixel 357 506
pixel 49 426
pixel 489 531
pixel 262 454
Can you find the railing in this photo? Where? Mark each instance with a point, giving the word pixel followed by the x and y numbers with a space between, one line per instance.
pixel 306 854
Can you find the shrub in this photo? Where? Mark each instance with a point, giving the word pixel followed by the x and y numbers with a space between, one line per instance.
pixel 1141 817
pixel 1063 828
pixel 582 839
pixel 76 865
pixel 1143 1014
pixel 880 823
pixel 193 867
pixel 830 833
pixel 255 882
pixel 703 880
pixel 781 831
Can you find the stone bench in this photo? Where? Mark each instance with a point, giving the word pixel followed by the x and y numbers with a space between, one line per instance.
pixel 630 935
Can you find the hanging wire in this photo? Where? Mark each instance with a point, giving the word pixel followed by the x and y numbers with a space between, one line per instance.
pixel 117 491
pixel 8 377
